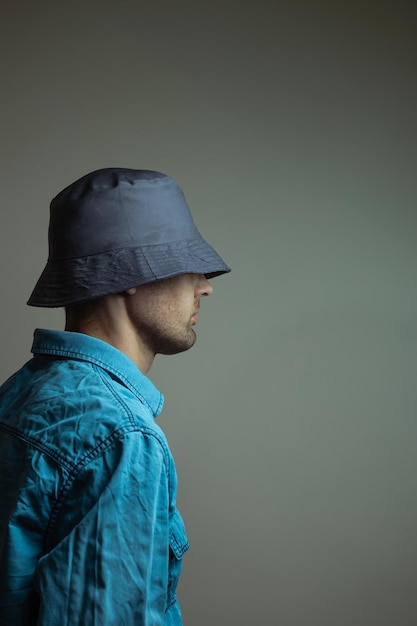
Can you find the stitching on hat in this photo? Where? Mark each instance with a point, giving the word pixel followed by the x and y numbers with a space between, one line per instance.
pixel 148 264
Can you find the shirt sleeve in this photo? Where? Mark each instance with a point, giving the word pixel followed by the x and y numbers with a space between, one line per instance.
pixel 109 561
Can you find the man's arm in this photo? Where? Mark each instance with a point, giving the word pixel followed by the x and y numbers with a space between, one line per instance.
pixel 109 564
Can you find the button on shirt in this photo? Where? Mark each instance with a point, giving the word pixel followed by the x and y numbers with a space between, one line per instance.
pixel 89 530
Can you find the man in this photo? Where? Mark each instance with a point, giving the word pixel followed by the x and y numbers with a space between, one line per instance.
pixel 89 530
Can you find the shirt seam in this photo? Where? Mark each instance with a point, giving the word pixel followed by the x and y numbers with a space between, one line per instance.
pixel 38 444
pixel 75 467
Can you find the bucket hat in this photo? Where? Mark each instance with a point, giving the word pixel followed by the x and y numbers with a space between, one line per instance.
pixel 118 228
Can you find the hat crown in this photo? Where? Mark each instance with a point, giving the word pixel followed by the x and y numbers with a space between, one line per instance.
pixel 117 208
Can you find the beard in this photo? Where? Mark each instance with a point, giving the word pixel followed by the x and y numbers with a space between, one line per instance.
pixel 167 340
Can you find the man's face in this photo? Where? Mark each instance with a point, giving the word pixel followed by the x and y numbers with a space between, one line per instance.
pixel 164 313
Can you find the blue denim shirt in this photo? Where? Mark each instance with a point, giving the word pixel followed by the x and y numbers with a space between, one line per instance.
pixel 89 530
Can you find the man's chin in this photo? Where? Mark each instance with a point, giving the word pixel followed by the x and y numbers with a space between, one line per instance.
pixel 175 347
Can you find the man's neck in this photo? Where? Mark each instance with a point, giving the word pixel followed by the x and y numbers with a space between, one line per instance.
pixel 110 322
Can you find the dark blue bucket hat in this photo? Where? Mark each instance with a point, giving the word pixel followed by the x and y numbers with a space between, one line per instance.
pixel 117 228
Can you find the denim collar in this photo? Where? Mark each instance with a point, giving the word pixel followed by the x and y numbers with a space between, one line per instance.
pixel 85 348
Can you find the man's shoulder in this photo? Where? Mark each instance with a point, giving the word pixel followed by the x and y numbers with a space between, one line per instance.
pixel 72 408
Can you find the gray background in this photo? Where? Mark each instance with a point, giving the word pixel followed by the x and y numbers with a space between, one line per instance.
pixel 291 127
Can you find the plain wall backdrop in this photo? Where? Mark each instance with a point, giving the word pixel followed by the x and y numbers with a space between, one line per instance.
pixel 291 127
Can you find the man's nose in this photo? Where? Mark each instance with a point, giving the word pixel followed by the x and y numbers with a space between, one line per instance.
pixel 204 287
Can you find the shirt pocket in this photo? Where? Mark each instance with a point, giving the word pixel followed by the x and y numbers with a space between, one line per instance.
pixel 178 545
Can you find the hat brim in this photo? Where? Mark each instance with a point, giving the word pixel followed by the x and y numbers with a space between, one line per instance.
pixel 73 281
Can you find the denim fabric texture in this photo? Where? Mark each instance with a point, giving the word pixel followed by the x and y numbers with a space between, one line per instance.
pixel 89 529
